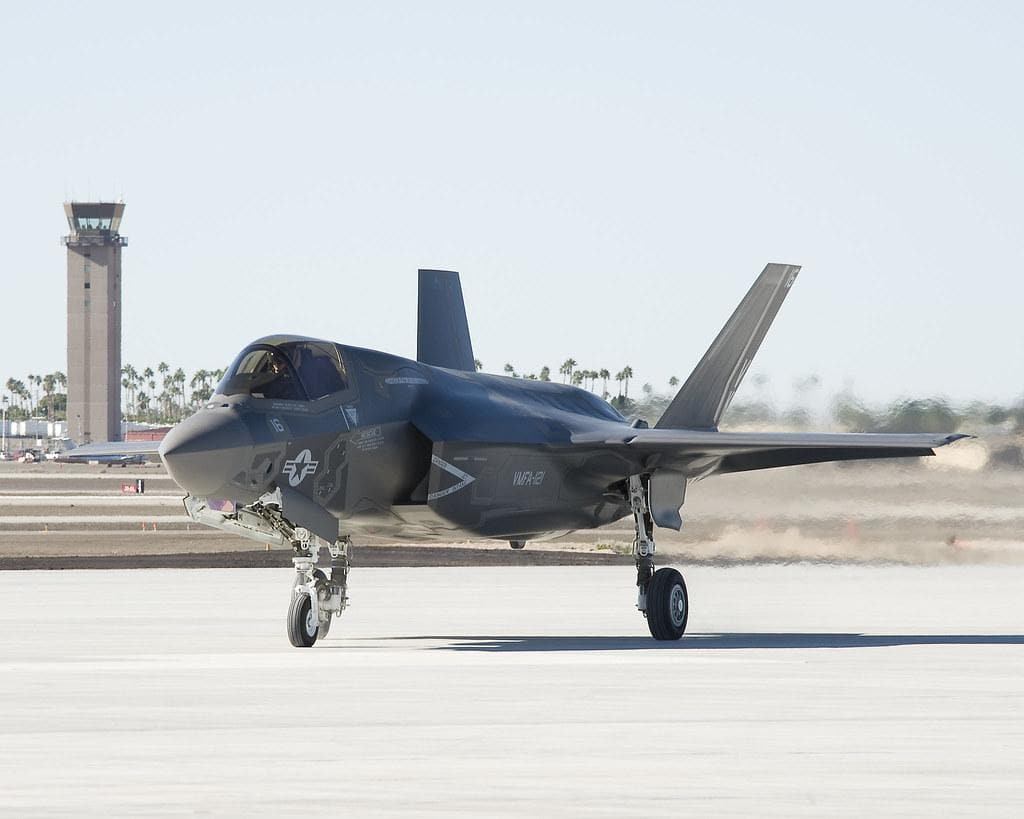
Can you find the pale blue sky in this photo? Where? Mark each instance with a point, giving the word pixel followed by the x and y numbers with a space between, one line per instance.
pixel 609 178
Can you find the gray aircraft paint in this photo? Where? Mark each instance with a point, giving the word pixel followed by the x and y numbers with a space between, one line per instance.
pixel 431 449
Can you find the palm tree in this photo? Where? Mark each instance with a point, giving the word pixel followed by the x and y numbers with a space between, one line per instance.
pixel 37 382
pixel 164 369
pixel 545 373
pixel 48 384
pixel 567 368
pixel 627 373
pixel 673 381
pixel 478 364
pixel 128 396
pixel 577 378
pixel 131 376
pixel 62 385
pixel 619 377
pixel 26 398
pixel 604 375
pixel 509 370
pixel 164 406
pixel 178 380
pixel 146 380
pixel 200 387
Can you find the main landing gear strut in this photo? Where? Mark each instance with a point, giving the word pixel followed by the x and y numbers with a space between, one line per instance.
pixel 316 596
pixel 661 594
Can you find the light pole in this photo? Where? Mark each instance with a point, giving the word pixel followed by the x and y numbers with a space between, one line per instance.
pixel 3 430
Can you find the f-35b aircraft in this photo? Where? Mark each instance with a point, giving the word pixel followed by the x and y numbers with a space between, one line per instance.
pixel 307 443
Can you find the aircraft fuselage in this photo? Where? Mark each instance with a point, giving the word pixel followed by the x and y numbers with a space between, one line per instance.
pixel 411 451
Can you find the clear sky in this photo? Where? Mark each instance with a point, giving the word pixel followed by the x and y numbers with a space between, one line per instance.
pixel 608 178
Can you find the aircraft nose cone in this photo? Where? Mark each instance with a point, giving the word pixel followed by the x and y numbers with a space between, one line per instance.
pixel 203 453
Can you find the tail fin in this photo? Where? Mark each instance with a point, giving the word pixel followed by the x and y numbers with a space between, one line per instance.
pixel 443 334
pixel 714 381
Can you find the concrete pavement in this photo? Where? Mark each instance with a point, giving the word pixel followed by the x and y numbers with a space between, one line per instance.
pixel 800 690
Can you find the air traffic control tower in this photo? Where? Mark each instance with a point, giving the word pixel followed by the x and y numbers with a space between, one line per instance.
pixel 94 320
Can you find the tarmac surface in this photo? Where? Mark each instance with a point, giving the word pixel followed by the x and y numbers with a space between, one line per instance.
pixel 485 691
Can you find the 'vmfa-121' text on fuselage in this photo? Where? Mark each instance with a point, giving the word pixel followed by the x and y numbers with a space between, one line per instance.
pixel 308 442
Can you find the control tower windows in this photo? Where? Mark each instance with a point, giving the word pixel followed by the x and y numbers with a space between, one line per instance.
pixel 92 223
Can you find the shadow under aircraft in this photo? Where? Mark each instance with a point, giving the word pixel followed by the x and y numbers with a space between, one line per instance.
pixel 307 443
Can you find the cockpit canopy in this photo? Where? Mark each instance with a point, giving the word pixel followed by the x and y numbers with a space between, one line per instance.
pixel 299 370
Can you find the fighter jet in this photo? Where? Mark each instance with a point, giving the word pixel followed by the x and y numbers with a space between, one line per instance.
pixel 308 443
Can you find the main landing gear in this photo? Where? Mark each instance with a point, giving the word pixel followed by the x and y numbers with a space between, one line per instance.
pixel 661 594
pixel 316 596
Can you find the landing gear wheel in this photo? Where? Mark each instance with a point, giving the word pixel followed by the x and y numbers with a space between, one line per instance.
pixel 325 626
pixel 668 605
pixel 303 628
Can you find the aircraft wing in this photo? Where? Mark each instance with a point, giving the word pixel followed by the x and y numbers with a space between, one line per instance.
pixel 701 453
pixel 674 457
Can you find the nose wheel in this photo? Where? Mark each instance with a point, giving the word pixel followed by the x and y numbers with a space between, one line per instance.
pixel 316 597
pixel 303 628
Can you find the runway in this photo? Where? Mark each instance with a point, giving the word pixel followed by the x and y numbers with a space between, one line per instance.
pixel 799 690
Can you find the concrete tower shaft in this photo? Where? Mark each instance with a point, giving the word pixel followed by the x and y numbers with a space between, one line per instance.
pixel 94 320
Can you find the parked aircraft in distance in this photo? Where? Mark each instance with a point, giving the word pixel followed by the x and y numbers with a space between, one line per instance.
pixel 307 443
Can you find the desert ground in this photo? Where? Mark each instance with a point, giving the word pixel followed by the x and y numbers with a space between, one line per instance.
pixel 922 512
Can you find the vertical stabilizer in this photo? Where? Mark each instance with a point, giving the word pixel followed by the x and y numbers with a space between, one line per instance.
pixel 443 334
pixel 714 381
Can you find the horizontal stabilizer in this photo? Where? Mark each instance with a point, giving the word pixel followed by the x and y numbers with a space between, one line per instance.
pixel 443 334
pixel 703 399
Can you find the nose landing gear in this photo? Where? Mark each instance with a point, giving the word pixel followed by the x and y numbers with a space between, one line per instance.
pixel 316 597
pixel 661 594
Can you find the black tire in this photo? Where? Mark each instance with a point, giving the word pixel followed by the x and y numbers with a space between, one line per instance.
pixel 668 605
pixel 517 544
pixel 299 621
